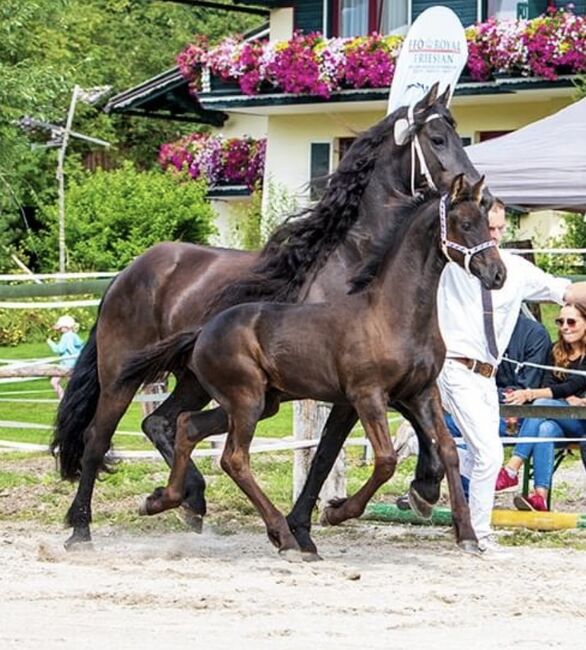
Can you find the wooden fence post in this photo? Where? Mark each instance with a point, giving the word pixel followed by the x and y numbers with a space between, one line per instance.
pixel 309 418
pixel 154 389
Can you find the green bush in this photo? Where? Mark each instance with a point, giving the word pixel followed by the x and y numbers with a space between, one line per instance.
pixel 35 325
pixel 113 216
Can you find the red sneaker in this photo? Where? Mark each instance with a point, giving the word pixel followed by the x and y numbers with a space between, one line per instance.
pixel 504 481
pixel 534 502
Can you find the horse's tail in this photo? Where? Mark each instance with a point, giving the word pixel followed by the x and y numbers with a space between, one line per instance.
pixel 76 410
pixel 167 355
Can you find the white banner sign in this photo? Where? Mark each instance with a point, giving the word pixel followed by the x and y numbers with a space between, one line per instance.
pixel 435 49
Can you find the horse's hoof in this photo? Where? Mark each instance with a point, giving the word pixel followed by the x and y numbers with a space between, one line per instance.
pixel 291 555
pixel 190 518
pixel 79 542
pixel 469 546
pixel 143 508
pixel 419 505
pixel 311 557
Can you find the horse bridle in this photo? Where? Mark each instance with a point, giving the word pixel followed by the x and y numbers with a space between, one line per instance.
pixel 417 150
pixel 446 244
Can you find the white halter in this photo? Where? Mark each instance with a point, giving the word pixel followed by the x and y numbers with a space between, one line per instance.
pixel 446 244
pixel 416 148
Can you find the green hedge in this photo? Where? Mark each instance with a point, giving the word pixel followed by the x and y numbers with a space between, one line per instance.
pixel 35 325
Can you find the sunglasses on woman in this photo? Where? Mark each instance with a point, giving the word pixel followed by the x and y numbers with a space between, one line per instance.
pixel 570 322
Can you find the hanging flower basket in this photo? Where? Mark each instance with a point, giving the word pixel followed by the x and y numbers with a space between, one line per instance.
pixel 221 161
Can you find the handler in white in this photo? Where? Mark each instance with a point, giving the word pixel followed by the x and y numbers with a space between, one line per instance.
pixel 466 383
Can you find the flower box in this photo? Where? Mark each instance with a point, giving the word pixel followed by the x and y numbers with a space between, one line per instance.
pixel 309 64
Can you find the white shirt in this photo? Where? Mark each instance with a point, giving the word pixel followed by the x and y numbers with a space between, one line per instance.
pixel 459 302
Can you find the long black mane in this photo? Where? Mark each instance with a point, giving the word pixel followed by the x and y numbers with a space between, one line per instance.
pixel 304 242
pixel 403 215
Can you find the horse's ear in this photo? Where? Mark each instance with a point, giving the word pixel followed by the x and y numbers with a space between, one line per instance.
pixel 457 187
pixel 477 190
pixel 429 99
pixel 444 98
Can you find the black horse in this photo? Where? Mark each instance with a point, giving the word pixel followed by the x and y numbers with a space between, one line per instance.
pixel 381 343
pixel 173 287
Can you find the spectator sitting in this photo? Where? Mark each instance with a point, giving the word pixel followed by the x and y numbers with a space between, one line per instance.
pixel 68 348
pixel 559 389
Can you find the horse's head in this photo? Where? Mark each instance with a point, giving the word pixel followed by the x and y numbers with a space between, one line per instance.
pixel 465 237
pixel 424 148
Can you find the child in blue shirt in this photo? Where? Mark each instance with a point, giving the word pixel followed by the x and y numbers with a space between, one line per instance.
pixel 68 348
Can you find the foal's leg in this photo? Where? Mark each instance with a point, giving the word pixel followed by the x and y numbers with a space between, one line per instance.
pixel 236 463
pixel 424 491
pixel 159 427
pixel 372 410
pixel 339 424
pixel 427 413
pixel 192 427
pixel 98 437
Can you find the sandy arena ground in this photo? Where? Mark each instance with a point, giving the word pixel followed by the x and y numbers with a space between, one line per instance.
pixel 379 586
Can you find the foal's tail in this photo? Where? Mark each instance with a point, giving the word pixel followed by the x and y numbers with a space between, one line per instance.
pixel 167 355
pixel 76 411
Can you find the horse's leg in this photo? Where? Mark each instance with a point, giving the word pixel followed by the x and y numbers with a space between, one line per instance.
pixel 98 436
pixel 424 490
pixel 427 413
pixel 192 428
pixel 236 463
pixel 159 427
pixel 372 410
pixel 339 424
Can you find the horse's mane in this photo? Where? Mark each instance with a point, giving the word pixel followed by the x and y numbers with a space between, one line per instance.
pixel 388 245
pixel 405 211
pixel 303 243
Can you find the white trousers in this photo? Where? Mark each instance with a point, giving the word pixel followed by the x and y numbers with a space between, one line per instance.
pixel 472 400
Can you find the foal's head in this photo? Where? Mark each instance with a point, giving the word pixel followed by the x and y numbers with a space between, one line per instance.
pixel 465 236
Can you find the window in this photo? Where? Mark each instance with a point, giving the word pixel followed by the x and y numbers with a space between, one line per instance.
pixel 362 17
pixel 393 16
pixel 354 17
pixel 483 136
pixel 512 9
pixel 319 168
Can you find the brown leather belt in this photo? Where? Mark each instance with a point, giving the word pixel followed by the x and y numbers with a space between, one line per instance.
pixel 480 368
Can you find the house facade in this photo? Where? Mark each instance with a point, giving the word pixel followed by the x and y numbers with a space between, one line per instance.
pixel 307 134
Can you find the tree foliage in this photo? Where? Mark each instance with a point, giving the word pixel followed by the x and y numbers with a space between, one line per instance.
pixel 113 216
pixel 48 46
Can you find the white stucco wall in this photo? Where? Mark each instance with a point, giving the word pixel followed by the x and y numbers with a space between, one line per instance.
pixel 228 214
pixel 281 25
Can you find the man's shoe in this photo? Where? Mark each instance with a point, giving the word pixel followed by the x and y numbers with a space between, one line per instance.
pixel 489 547
pixel 534 502
pixel 504 481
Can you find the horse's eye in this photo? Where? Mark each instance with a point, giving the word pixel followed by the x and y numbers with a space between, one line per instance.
pixel 466 226
pixel 438 141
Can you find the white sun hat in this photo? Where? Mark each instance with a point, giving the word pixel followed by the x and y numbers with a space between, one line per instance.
pixel 65 321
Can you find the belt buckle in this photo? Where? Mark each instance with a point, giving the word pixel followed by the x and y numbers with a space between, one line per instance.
pixel 486 370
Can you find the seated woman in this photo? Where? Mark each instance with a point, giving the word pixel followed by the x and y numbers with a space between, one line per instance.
pixel 559 389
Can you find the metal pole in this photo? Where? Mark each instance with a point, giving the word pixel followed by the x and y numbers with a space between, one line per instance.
pixel 61 178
